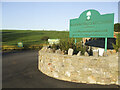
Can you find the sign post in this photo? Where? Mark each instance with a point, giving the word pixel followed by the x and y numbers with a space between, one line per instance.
pixel 93 25
pixel 106 44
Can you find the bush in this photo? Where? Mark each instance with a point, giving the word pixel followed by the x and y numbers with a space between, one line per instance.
pixel 70 43
pixel 45 38
pixel 32 47
pixel 55 46
pixel 117 45
pixel 26 47
pixel 36 47
pixel 80 47
pixel 66 44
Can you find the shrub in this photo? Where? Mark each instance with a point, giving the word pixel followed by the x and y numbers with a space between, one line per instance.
pixel 83 49
pixel 32 47
pixel 26 46
pixel 55 46
pixel 66 44
pixel 71 43
pixel 80 47
pixel 40 46
pixel 36 47
pixel 45 38
pixel 117 45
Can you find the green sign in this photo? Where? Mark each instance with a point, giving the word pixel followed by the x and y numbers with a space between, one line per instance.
pixel 92 24
pixel 20 44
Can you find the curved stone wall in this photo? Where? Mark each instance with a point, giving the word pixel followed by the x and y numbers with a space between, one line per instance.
pixel 80 69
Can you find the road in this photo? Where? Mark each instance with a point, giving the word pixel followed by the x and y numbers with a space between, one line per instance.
pixel 20 71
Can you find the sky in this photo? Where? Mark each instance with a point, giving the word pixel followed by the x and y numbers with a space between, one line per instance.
pixel 49 15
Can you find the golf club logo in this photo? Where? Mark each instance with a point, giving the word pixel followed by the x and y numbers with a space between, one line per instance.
pixel 88 15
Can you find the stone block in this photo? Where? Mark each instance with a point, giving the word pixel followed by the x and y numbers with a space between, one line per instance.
pixel 86 54
pixel 105 54
pixel 55 74
pixel 95 53
pixel 62 52
pixel 49 50
pixel 91 79
pixel 109 53
pixel 70 51
pixel 67 73
pixel 58 51
pixel 44 48
pixel 79 53
pixel 100 51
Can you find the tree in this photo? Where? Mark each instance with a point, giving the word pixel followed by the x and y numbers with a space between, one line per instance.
pixel 117 27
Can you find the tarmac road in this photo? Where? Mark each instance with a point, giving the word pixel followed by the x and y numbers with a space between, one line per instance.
pixel 20 71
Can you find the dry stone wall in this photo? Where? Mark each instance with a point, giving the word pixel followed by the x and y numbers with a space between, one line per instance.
pixel 80 69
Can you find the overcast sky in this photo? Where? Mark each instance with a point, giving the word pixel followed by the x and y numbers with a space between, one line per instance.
pixel 49 15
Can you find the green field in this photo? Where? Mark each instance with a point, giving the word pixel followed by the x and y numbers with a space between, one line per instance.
pixel 29 37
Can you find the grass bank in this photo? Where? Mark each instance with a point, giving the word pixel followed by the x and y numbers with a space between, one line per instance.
pixel 10 38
